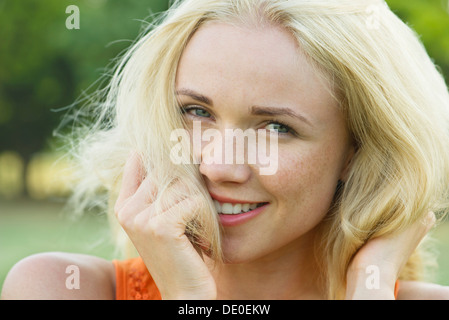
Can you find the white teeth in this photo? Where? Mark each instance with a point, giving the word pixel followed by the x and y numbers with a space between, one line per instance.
pixel 226 208
pixel 217 206
pixel 237 208
pixel 229 208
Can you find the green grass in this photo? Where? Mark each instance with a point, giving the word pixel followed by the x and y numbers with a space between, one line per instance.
pixel 28 227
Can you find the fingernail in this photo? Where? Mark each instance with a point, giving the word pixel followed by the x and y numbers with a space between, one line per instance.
pixel 429 220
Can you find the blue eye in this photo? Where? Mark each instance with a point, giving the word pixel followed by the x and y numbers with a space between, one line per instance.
pixel 195 111
pixel 278 127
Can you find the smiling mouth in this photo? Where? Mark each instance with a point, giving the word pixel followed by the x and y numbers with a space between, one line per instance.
pixel 236 208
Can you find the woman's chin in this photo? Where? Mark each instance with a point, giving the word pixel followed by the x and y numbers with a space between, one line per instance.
pixel 238 252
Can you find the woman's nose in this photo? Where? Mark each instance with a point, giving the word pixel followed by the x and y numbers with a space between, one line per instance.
pixel 221 173
pixel 222 161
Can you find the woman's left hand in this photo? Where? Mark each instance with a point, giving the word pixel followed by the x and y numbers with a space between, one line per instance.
pixel 373 271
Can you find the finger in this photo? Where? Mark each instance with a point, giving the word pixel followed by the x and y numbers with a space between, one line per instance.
pixel 170 224
pixel 429 221
pixel 421 227
pixel 184 211
pixel 416 233
pixel 176 191
pixel 132 178
pixel 146 192
pixel 190 209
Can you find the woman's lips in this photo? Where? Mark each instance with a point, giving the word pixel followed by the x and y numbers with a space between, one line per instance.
pixel 230 220
pixel 223 199
pixel 234 212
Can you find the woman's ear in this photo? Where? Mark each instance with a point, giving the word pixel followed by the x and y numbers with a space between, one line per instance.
pixel 352 150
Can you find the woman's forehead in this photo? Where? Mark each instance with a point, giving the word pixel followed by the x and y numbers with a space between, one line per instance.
pixel 223 59
pixel 226 45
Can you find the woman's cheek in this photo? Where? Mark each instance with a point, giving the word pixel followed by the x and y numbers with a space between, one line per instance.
pixel 304 181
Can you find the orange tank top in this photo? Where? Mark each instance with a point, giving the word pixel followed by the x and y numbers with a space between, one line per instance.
pixel 134 282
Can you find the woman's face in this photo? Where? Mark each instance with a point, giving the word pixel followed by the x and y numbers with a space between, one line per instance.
pixel 231 77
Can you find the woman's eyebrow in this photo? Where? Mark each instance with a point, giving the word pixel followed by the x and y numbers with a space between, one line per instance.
pixel 278 111
pixel 195 95
pixel 255 110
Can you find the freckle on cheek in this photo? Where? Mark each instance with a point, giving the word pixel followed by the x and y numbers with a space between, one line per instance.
pixel 290 174
pixel 297 177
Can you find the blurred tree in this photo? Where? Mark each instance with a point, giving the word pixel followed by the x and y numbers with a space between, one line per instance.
pixel 32 76
pixel 430 20
pixel 44 66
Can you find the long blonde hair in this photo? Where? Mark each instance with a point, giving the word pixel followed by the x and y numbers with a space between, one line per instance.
pixel 395 102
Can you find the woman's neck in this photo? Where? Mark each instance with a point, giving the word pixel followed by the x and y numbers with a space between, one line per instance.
pixel 289 273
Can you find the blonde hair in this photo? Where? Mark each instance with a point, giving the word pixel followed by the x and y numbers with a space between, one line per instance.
pixel 395 102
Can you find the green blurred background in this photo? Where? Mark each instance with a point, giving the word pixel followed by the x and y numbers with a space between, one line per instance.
pixel 44 67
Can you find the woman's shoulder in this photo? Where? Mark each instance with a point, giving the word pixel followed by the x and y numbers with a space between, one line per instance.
pixel 57 275
pixel 415 290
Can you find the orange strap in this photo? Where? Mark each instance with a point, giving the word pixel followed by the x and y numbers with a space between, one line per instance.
pixel 133 281
pixel 396 289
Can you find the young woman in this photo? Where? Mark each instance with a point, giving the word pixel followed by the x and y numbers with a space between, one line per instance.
pixel 359 115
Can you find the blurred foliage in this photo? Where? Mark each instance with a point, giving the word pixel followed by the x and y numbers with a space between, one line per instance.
pixel 430 20
pixel 11 174
pixel 44 66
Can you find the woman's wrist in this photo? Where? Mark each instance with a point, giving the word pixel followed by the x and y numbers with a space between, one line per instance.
pixel 370 282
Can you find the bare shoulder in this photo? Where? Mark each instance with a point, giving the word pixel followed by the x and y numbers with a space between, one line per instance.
pixel 415 290
pixel 57 275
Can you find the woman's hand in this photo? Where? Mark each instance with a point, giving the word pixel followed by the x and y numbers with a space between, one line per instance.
pixel 384 258
pixel 175 265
